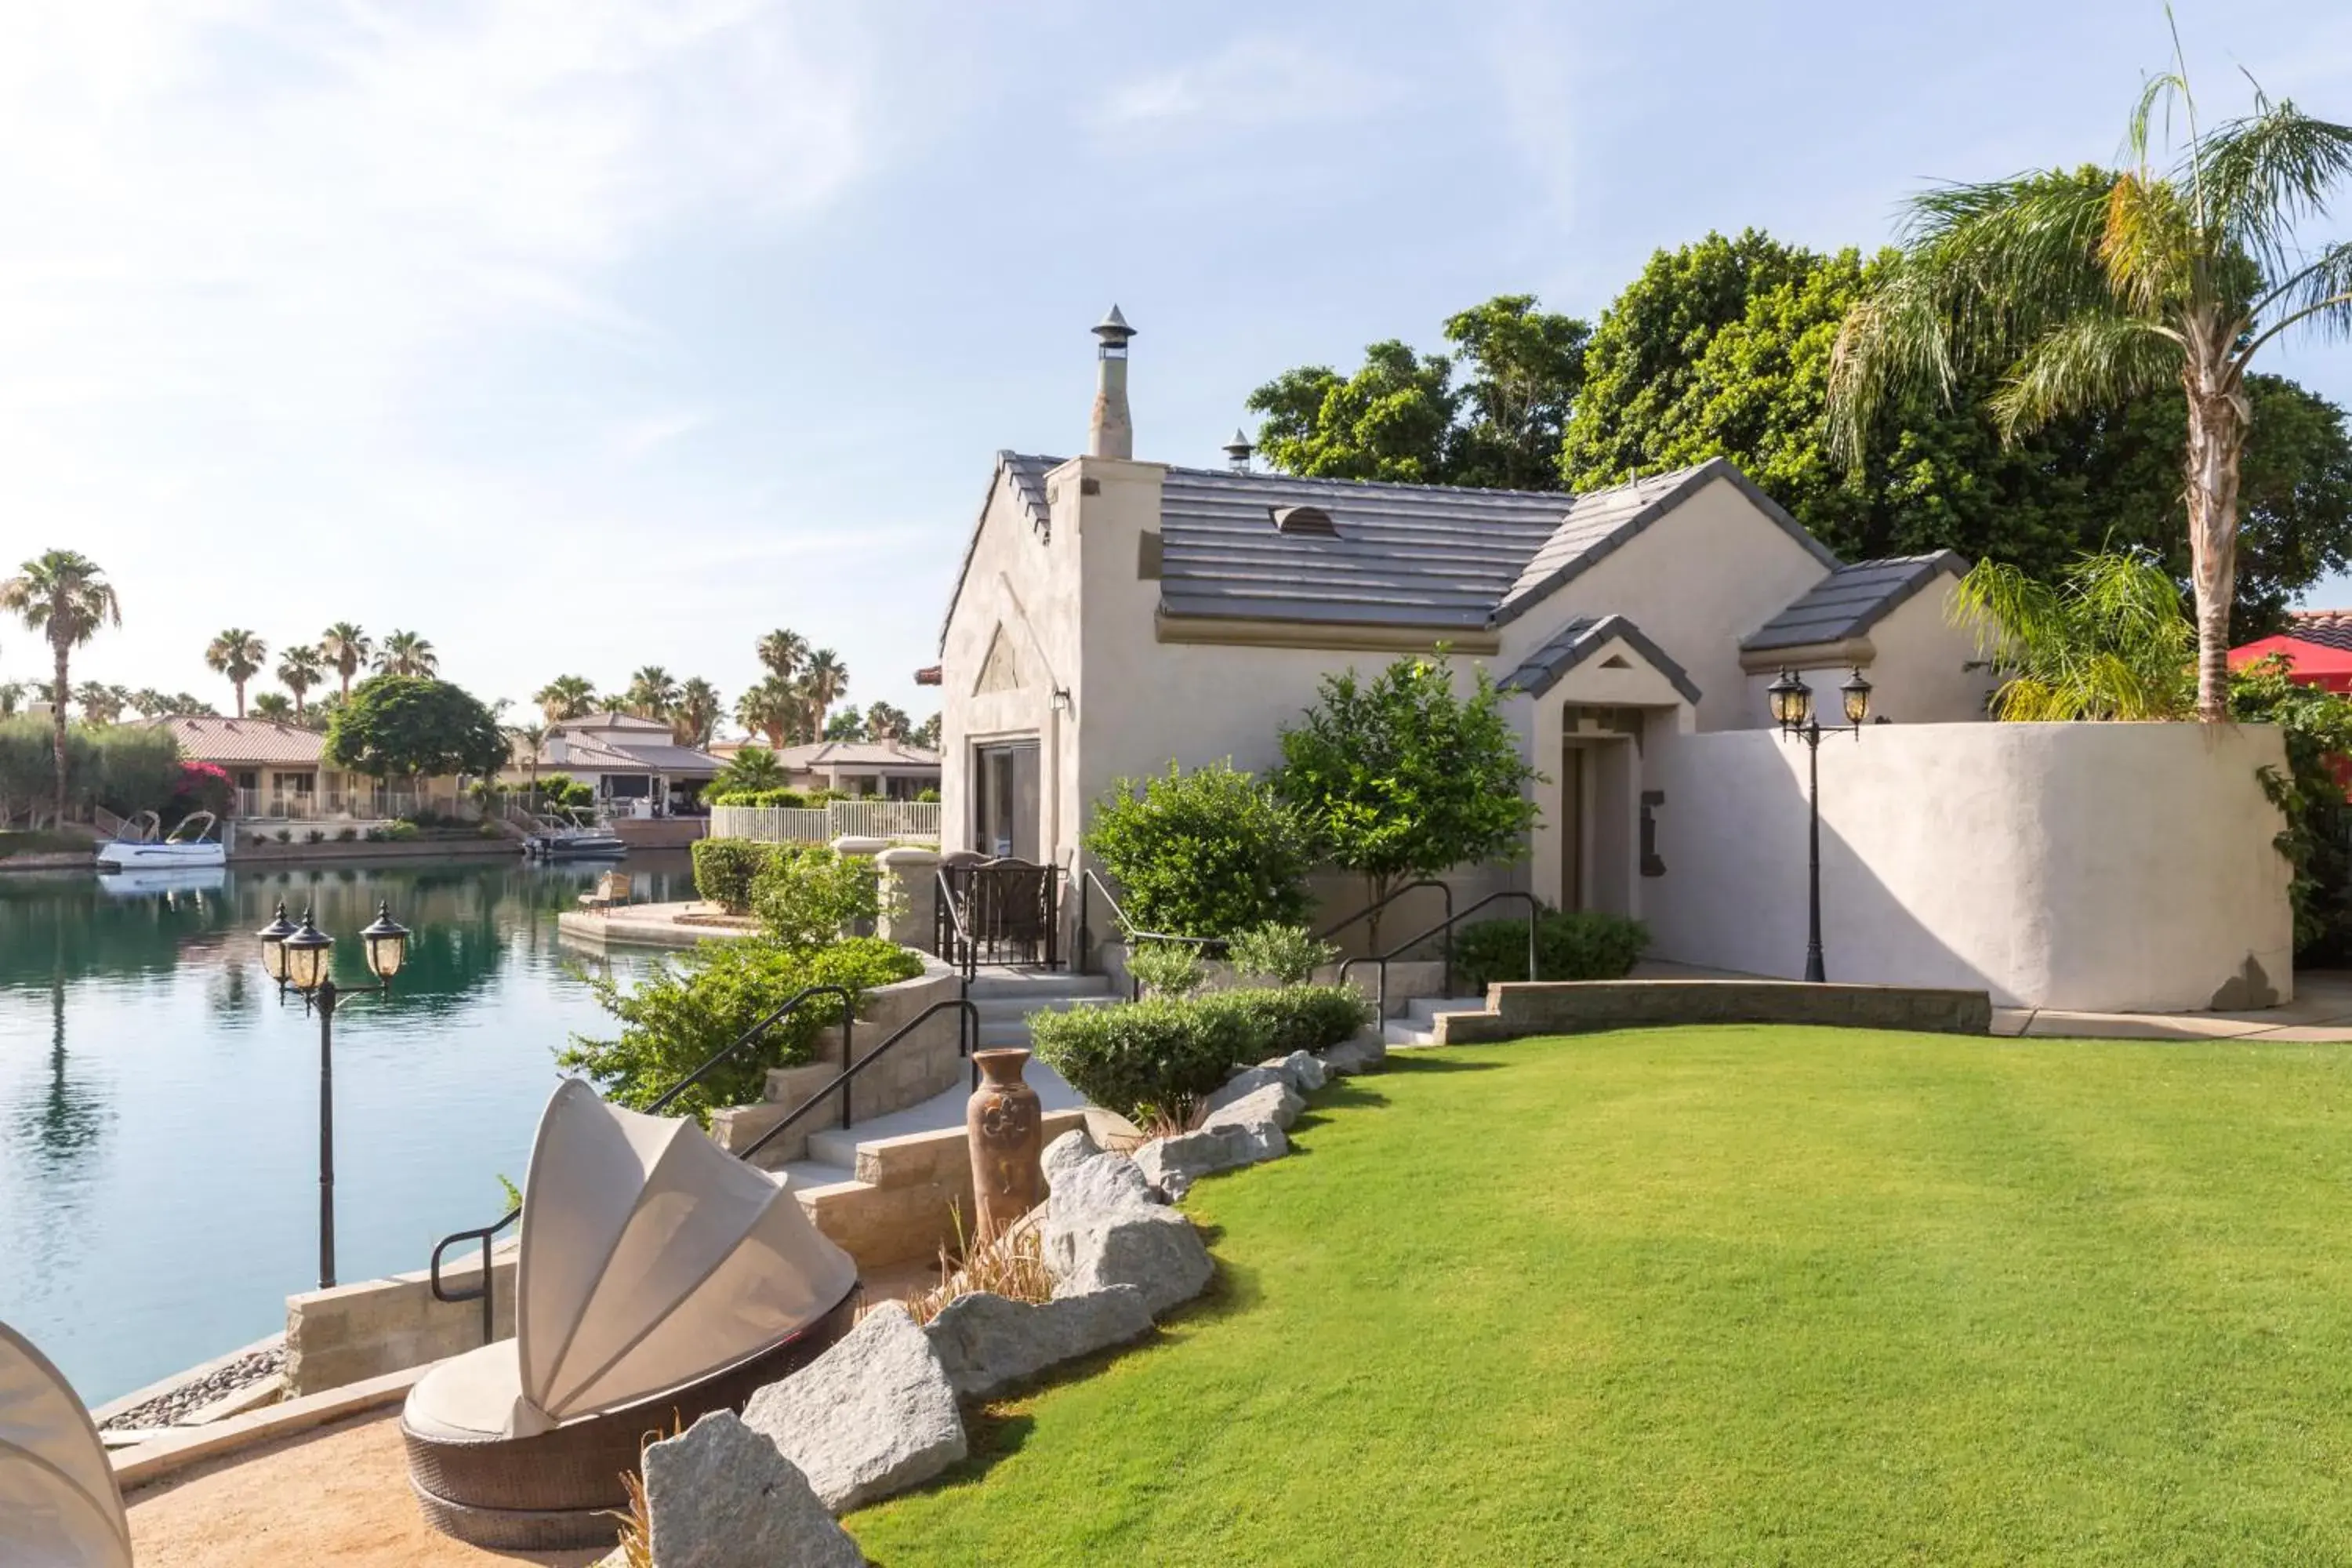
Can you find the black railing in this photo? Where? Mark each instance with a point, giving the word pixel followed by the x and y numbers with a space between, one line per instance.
pixel 1446 926
pixel 999 913
pixel 1369 910
pixel 487 1234
pixel 1128 936
pixel 966 1040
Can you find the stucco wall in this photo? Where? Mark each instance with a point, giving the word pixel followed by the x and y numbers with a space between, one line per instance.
pixel 1919 668
pixel 2071 865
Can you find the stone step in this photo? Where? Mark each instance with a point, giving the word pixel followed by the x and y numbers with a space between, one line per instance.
pixel 1424 1010
pixel 1035 985
pixel 1013 1009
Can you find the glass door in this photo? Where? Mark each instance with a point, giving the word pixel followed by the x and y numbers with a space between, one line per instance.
pixel 1006 797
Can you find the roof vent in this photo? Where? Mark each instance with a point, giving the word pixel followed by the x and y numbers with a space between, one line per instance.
pixel 1312 520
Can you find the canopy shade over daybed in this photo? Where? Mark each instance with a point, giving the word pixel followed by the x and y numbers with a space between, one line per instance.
pixel 650 1258
pixel 59 1505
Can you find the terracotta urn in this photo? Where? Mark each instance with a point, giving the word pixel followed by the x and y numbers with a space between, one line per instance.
pixel 1005 1126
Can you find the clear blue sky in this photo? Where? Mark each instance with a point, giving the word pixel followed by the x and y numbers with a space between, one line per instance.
pixel 589 333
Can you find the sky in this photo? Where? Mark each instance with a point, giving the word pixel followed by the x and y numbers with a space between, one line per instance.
pixel 578 335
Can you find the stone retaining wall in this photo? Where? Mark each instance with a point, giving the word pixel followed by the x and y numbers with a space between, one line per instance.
pixel 1514 1010
pixel 897 1210
pixel 377 1326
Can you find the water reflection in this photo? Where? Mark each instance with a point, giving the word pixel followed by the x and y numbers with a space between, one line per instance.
pixel 158 1098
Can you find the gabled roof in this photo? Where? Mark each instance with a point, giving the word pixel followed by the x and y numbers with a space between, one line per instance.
pixel 1026 474
pixel 1578 640
pixel 609 718
pixel 856 754
pixel 1851 600
pixel 594 754
pixel 208 740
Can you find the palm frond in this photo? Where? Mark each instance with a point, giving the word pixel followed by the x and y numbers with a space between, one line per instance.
pixel 2265 174
pixel 2011 257
pixel 2150 246
pixel 2095 360
pixel 2317 295
pixel 1893 339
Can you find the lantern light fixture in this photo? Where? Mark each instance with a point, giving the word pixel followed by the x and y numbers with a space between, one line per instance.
pixel 387 941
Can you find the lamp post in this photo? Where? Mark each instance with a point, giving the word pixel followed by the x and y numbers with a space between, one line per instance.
pixel 1792 710
pixel 302 956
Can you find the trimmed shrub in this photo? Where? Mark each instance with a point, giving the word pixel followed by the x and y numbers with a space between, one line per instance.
pixel 788 799
pixel 1286 955
pixel 1206 853
pixel 1167 968
pixel 397 832
pixel 674 1021
pixel 806 895
pixel 1572 946
pixel 725 868
pixel 1161 1052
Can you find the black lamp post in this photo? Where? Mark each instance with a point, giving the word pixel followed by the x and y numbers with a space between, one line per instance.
pixel 302 956
pixel 1792 710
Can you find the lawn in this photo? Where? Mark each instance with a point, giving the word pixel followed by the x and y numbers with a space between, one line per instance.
pixel 1732 1295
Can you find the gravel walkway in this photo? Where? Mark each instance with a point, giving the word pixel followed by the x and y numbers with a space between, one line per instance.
pixel 177 1404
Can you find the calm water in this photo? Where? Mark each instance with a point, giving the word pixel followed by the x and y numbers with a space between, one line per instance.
pixel 159 1104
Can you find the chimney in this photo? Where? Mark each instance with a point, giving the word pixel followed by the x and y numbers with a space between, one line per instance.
pixel 1237 453
pixel 1113 432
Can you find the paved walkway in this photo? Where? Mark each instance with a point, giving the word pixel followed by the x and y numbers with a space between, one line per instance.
pixel 2321 1010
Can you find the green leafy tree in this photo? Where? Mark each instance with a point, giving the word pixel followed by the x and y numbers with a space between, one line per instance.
pixel 926 734
pixel 2317 837
pixel 2106 641
pixel 65 597
pixel 1403 416
pixel 411 726
pixel 1205 854
pixel 2084 291
pixel 848 724
pixel 238 654
pixel 347 649
pixel 1401 777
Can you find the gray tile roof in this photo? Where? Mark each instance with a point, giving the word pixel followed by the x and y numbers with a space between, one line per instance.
pixel 1851 600
pixel 1578 640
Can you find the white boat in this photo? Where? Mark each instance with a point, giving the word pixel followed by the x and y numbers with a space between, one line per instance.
pixel 170 880
pixel 571 837
pixel 192 844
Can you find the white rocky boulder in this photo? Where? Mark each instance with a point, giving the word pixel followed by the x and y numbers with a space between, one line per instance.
pixel 1102 1228
pixel 1300 1069
pixel 720 1495
pixel 1173 1165
pixel 1359 1055
pixel 989 1344
pixel 870 1417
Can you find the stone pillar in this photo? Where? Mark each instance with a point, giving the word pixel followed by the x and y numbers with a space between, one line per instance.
pixel 909 895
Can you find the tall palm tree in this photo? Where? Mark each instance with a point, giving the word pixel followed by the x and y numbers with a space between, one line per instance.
pixel 886 721
pixel 149 704
pixel 238 654
pixel 525 741
pixel 822 683
pixel 276 706
pixel 64 596
pixel 406 653
pixel 348 650
pixel 299 669
pixel 652 693
pixel 694 718
pixel 566 697
pixel 2093 289
pixel 100 704
pixel 11 696
pixel 772 708
pixel 784 652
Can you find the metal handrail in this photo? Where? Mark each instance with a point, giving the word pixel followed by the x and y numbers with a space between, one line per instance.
pixel 1128 935
pixel 483 1234
pixel 1535 913
pixel 966 950
pixel 967 1040
pixel 1373 909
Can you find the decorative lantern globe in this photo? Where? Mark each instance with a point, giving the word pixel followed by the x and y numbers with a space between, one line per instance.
pixel 273 944
pixel 1792 698
pixel 388 945
pixel 1856 692
pixel 309 956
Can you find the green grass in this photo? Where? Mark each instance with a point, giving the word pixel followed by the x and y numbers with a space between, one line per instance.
pixel 1731 1295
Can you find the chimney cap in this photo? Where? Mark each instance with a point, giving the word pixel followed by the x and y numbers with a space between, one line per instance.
pixel 1237 450
pixel 1113 328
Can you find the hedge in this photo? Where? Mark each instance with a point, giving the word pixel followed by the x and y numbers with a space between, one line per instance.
pixel 1157 1053
pixel 1568 946
pixel 725 868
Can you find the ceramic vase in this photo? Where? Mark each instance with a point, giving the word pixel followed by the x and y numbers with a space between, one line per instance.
pixel 1005 1126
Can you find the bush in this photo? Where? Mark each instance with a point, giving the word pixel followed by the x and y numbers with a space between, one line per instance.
pixel 283 835
pixel 926 797
pixel 786 799
pixel 676 1020
pixel 725 868
pixel 1206 853
pixel 1161 1052
pixel 315 836
pixel 806 895
pixel 562 789
pixel 347 835
pixel 1581 946
pixel 1285 955
pixel 1167 968
pixel 400 832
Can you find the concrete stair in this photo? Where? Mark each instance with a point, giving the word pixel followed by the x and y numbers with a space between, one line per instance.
pixel 1418 1027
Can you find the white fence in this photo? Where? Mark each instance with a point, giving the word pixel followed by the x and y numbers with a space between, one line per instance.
pixel 822 824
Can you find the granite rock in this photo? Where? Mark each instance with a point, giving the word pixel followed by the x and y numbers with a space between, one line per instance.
pixel 989 1344
pixel 872 1416
pixel 721 1495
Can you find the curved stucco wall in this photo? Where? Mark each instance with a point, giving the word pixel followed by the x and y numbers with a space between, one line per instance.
pixel 2098 867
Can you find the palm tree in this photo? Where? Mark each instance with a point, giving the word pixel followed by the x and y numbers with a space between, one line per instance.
pixel 238 654
pixel 566 697
pixel 2093 289
pixel 884 722
pixel 11 696
pixel 299 669
pixel 347 649
pixel 64 596
pixel 149 704
pixel 751 768
pixel 694 718
pixel 2108 641
pixel 771 708
pixel 822 683
pixel 651 694
pixel 526 740
pixel 100 704
pixel 405 653
pixel 784 653
pixel 274 706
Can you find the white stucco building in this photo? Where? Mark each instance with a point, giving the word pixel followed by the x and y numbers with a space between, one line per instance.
pixel 1112 615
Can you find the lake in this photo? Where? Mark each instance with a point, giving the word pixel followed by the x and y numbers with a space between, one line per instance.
pixel 159 1101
